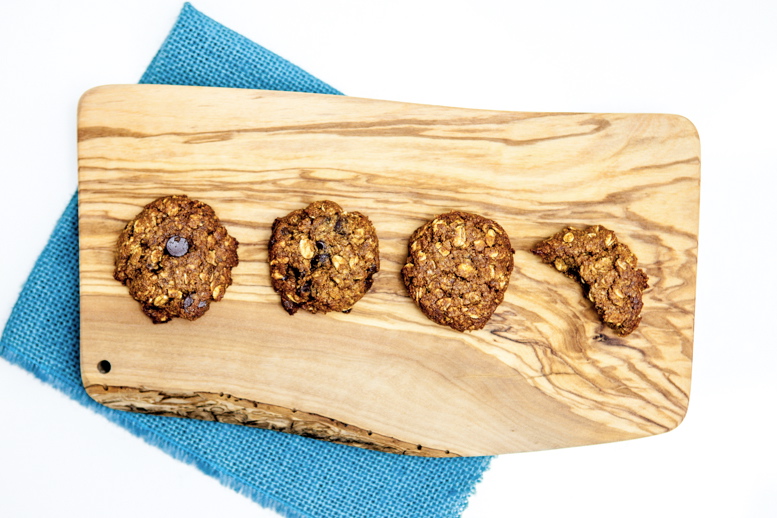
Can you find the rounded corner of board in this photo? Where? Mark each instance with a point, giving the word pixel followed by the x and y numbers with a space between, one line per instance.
pixel 685 123
pixel 95 91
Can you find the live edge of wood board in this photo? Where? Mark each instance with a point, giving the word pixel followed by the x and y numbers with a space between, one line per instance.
pixel 544 373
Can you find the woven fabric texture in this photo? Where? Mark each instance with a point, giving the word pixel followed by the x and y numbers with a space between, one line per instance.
pixel 297 477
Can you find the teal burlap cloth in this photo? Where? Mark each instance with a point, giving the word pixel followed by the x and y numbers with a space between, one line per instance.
pixel 298 477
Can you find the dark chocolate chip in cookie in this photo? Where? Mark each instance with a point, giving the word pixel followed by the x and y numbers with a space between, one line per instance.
pixel 458 269
pixel 175 257
pixel 319 261
pixel 177 246
pixel 322 258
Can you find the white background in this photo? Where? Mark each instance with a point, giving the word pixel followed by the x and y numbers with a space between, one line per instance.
pixel 714 62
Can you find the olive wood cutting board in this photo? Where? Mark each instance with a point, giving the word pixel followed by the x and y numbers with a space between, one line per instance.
pixel 544 373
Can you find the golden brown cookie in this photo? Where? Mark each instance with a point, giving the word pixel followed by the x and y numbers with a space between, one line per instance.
pixel 458 269
pixel 606 268
pixel 322 258
pixel 176 258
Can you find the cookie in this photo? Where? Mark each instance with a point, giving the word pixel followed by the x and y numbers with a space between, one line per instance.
pixel 606 268
pixel 458 269
pixel 322 258
pixel 176 258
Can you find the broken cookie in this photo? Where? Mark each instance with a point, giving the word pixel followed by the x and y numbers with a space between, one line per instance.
pixel 606 269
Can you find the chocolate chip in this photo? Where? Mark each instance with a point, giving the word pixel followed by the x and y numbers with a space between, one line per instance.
pixel 202 304
pixel 289 306
pixel 177 246
pixel 320 245
pixel 305 288
pixel 187 301
pixel 340 226
pixel 319 261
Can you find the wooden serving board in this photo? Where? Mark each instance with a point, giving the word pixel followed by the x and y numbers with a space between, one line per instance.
pixel 544 373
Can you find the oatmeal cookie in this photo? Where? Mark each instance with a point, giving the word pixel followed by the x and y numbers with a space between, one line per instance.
pixel 322 258
pixel 458 269
pixel 606 268
pixel 176 258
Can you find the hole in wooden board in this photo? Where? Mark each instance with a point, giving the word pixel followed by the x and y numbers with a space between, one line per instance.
pixel 104 367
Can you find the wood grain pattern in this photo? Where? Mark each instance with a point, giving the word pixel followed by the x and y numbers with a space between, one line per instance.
pixel 544 373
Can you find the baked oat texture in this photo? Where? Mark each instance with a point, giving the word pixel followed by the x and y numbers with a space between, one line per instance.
pixel 176 258
pixel 323 258
pixel 458 269
pixel 606 268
